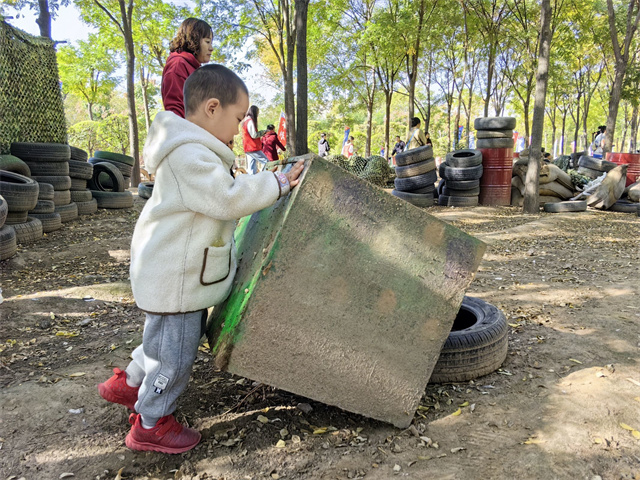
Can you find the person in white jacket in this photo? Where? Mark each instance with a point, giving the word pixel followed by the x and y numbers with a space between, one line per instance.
pixel 183 257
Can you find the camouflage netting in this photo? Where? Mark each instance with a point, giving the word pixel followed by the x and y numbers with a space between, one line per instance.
pixel 374 169
pixel 31 108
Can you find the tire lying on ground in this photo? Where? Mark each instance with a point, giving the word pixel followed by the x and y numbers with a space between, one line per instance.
pixel 87 208
pixel 569 206
pixel 113 199
pixel 8 244
pixel 417 199
pixel 464 158
pixel 103 172
pixel 448 201
pixel 476 346
pixel 145 189
pixel 414 155
pixel 67 212
pixel 28 232
pixel 494 123
pixel 625 207
pixel 80 195
pixel 20 192
pixel 494 143
pixel 50 221
pixel 14 164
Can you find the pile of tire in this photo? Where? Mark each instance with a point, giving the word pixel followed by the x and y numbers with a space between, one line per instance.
pixel 21 195
pixel 495 141
pixel 460 178
pixel 81 172
pixel 111 177
pixel 416 176
pixel 8 244
pixel 49 163
pixel 594 167
pixel 45 209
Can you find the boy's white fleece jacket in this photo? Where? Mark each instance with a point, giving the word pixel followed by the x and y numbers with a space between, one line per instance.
pixel 182 253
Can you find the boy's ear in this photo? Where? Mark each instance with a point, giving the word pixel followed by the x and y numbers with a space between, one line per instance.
pixel 211 105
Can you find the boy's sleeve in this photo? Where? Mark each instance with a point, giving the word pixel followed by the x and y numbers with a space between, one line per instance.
pixel 207 187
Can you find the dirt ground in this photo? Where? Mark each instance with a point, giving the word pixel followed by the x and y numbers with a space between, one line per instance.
pixel 560 407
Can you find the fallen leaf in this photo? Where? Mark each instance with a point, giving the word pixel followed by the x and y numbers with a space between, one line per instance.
pixel 637 399
pixel 63 333
pixel 320 431
pixel 597 440
pixel 275 476
pixel 533 441
pixel 66 475
pixel 456 413
pixel 262 419
pixel 575 361
pixel 627 427
pixel 79 374
pixel 636 434
pixel 465 404
pixel 514 325
pixel 295 438
pixel 635 382
pixel 457 449
pixel 281 444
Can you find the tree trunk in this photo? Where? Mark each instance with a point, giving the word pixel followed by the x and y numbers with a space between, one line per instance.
pixel 624 129
pixel 44 19
pixel 531 197
pixel 564 131
pixel 575 133
pixel 412 63
pixel 633 145
pixel 144 84
pixel 490 67
pixel 301 63
pixel 427 120
pixel 126 12
pixel 388 95
pixel 90 110
pixel 367 145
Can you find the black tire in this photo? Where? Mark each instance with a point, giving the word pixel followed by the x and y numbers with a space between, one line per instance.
pixel 62 198
pixel 67 212
pixel 414 155
pixel 43 206
pixel 596 164
pixel 464 158
pixel 15 165
pixel 494 133
pixel 625 207
pixel 441 168
pixel 46 191
pixel 78 184
pixel 429 189
pixel 53 152
pixel 418 199
pixel 416 168
pixel 474 192
pixel 87 208
pixel 463 184
pixel 145 189
pixel 117 157
pixel 28 232
pixel 448 201
pixel 80 196
pixel 476 346
pixel 416 182
pixel 39 169
pixel 4 209
pixel 111 173
pixel 569 206
pixel 77 154
pixel 50 221
pixel 59 182
pixel 589 172
pixel 494 143
pixel 127 182
pixel 20 192
pixel 125 170
pixel 471 173
pixel 14 218
pixel 8 244
pixel 81 170
pixel 113 199
pixel 494 123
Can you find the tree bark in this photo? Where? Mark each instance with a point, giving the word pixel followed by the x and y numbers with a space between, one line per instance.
pixel 289 97
pixel 126 11
pixel 634 130
pixel 564 131
pixel 301 63
pixel 144 84
pixel 531 196
pixel 490 67
pixel 44 19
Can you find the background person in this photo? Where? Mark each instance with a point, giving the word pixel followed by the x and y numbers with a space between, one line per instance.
pixel 323 145
pixel 348 150
pixel 416 136
pixel 190 48
pixel 271 143
pixel 252 141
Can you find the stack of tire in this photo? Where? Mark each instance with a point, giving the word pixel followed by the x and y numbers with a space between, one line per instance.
pixel 80 172
pixel 49 163
pixel 45 209
pixel 594 167
pixel 111 176
pixel 21 195
pixel 8 245
pixel 416 176
pixel 495 141
pixel 460 178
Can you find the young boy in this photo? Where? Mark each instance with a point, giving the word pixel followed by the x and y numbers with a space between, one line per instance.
pixel 183 256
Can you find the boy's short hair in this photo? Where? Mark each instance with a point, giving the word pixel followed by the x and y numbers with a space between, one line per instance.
pixel 415 121
pixel 212 81
pixel 271 127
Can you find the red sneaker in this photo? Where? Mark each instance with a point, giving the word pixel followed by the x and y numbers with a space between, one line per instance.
pixel 116 390
pixel 168 436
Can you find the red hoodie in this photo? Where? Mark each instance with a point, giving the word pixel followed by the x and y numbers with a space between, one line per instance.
pixel 270 145
pixel 178 67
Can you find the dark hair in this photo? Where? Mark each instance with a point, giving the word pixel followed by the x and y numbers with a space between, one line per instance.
pixel 351 138
pixel 415 121
pixel 271 127
pixel 253 114
pixel 398 136
pixel 212 81
pixel 190 33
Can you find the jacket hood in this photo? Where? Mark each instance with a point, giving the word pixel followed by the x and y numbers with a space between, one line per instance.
pixel 187 56
pixel 169 131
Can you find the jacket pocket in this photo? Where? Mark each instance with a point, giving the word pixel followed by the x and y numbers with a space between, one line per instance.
pixel 216 265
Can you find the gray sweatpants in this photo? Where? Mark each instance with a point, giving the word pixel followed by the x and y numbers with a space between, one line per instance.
pixel 168 350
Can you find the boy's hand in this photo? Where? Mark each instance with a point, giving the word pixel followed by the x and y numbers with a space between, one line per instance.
pixel 293 174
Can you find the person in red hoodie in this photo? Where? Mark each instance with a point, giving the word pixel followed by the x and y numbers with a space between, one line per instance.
pixel 189 49
pixel 271 143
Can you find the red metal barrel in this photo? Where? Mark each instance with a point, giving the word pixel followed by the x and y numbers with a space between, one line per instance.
pixel 631 159
pixel 495 184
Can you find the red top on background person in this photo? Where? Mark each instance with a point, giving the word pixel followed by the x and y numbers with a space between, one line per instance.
pixel 190 48
pixel 271 144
